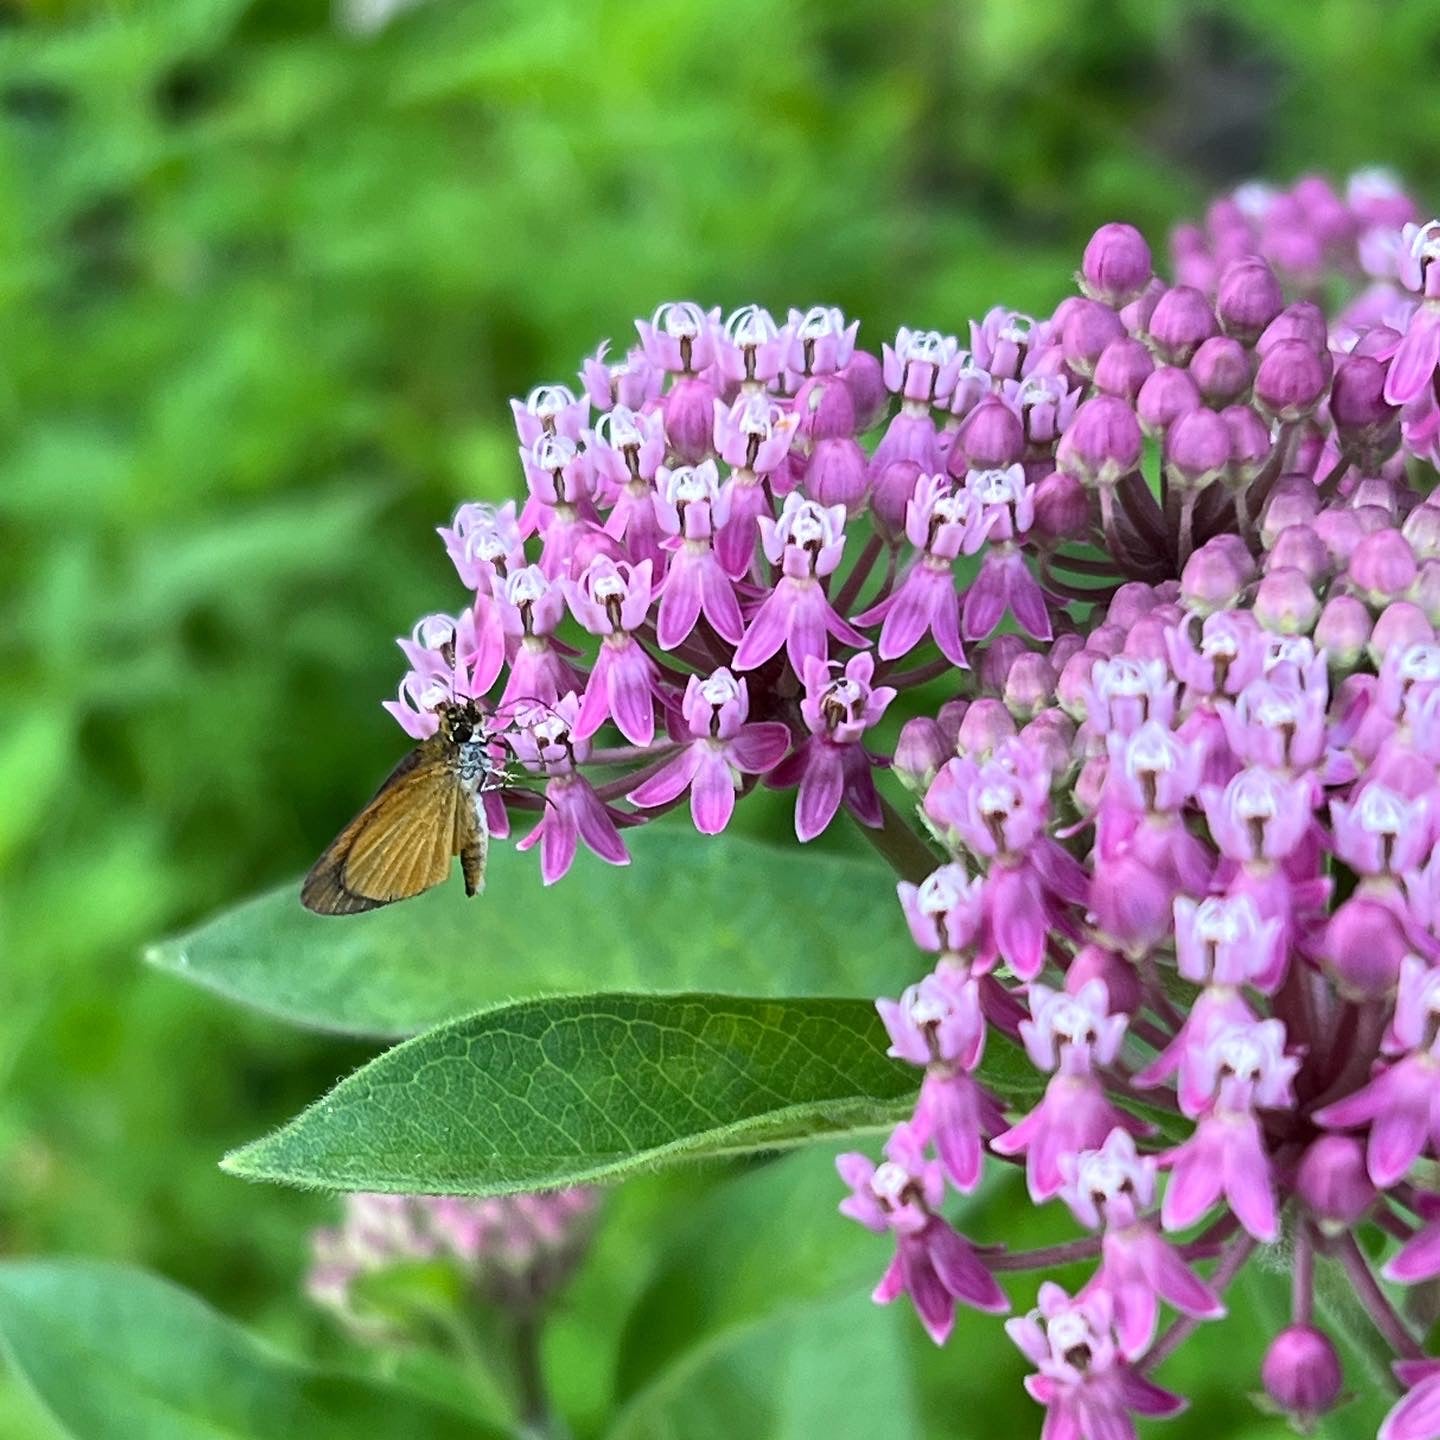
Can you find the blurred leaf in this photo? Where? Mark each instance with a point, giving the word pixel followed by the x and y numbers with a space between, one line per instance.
pixel 838 1370
pixel 569 1089
pixel 691 913
pixel 116 1354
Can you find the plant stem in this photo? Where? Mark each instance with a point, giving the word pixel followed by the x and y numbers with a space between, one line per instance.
pixel 907 854
pixel 1050 1255
pixel 1373 1298
pixel 1179 1332
pixel 535 1413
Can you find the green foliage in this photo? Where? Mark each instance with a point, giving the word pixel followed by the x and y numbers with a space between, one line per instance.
pixel 581 1088
pixel 265 287
pixel 115 1354
pixel 688 914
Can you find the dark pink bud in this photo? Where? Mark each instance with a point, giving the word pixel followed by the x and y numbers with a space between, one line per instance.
pixel 893 491
pixel 1380 342
pixel 866 382
pixel 1072 690
pixel 1291 380
pixel 991 438
pixel 1343 631
pixel 1298 547
pixel 921 748
pixel 1182 319
pixel 1212 580
pixel 1249 297
pixel 1286 603
pixel 987 725
pixel 1332 1182
pixel 1051 736
pixel 1146 639
pixel 592 543
pixel 1357 397
pixel 1399 626
pixel 1123 367
pixel 1103 443
pixel 690 418
pixel 836 473
pixel 1089 328
pixel 1107 639
pixel 1364 945
pixel 1167 395
pixel 1129 604
pixel 1029 685
pixel 1122 983
pixel 1000 654
pixel 1116 267
pixel 1301 1373
pixel 1304 321
pixel 1382 566
pixel 1062 509
pixel 1250 443
pixel 825 408
pixel 1341 531
pixel 1136 315
pixel 1197 449
pixel 1220 369
pixel 1064 647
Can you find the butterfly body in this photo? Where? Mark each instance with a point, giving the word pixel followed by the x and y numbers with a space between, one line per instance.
pixel 430 809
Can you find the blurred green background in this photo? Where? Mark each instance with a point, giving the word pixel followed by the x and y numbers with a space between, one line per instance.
pixel 268 274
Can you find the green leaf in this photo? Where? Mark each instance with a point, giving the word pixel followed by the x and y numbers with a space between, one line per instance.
pixel 838 1370
pixel 568 1089
pixel 690 914
pixel 114 1354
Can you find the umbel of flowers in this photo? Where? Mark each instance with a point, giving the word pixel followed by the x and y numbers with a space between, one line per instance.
pixel 1169 558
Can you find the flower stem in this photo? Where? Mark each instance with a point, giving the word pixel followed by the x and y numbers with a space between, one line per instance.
pixel 1373 1298
pixel 1302 1279
pixel 536 1417
pixel 1180 1331
pixel 907 854
pixel 1046 1257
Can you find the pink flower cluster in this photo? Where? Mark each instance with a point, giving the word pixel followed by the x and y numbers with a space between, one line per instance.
pixel 1168 558
pixel 513 1251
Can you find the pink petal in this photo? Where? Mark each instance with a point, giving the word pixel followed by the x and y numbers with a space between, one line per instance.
pixel 629 685
pixel 908 616
pixel 1027 601
pixel 1194 1187
pixel 679 604
pixel 1417 1416
pixel 663 787
pixel 757 748
pixel 766 633
pixel 722 609
pixel 712 797
pixel 805 638
pixel 596 827
pixel 933 1302
pixel 1397 1137
pixel 821 788
pixel 961 1272
pixel 984 601
pixel 1416 359
pixel 892 1283
pixel 1419 1259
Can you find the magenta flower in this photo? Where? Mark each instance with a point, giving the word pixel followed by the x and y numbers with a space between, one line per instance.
pixel 750 349
pixel 806 542
pixel 530 607
pixel 691 508
pixel 545 743
pixel 724 750
pixel 830 765
pixel 680 337
pixel 1417 1415
pixel 1081 1376
pixel 936 1266
pixel 631 382
pixel 613 600
pixel 1416 361
pixel 484 544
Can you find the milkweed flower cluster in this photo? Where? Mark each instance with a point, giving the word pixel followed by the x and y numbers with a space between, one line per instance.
pixel 1155 580
pixel 512 1252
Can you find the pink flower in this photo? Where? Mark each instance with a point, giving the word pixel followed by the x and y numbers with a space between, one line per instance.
pixel 613 600
pixel 1082 1379
pixel 807 542
pixel 680 337
pixel 937 1267
pixel 691 507
pixel 830 766
pixel 724 749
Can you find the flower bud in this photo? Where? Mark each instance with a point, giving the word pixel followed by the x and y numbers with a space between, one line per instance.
pixel 1072 690
pixel 1298 547
pixel 1333 1184
pixel 1286 603
pixel 1341 530
pixel 1064 646
pixel 1343 631
pixel 1130 603
pixel 1303 321
pixel 1089 328
pixel 1136 315
pixel 1291 380
pixel 1168 394
pixel 1211 580
pixel 1221 370
pixel 1103 443
pixel 1107 640
pixel 1182 319
pixel 948 717
pixel 1029 685
pixel 1122 982
pixel 836 473
pixel 825 408
pixel 1051 735
pixel 1250 444
pixel 992 438
pixel 1248 298
pixel 1357 396
pixel 1422 530
pixel 986 725
pixel 1425 592
pixel 1197 449
pixel 1301 1373
pixel 892 492
pixel 1116 267
pixel 1000 654
pixel 1399 626
pixel 1062 509
pixel 1363 947
pixel 1382 567
pixel 865 379
pixel 1146 638
pixel 1123 367
pixel 1292 502
pixel 920 750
